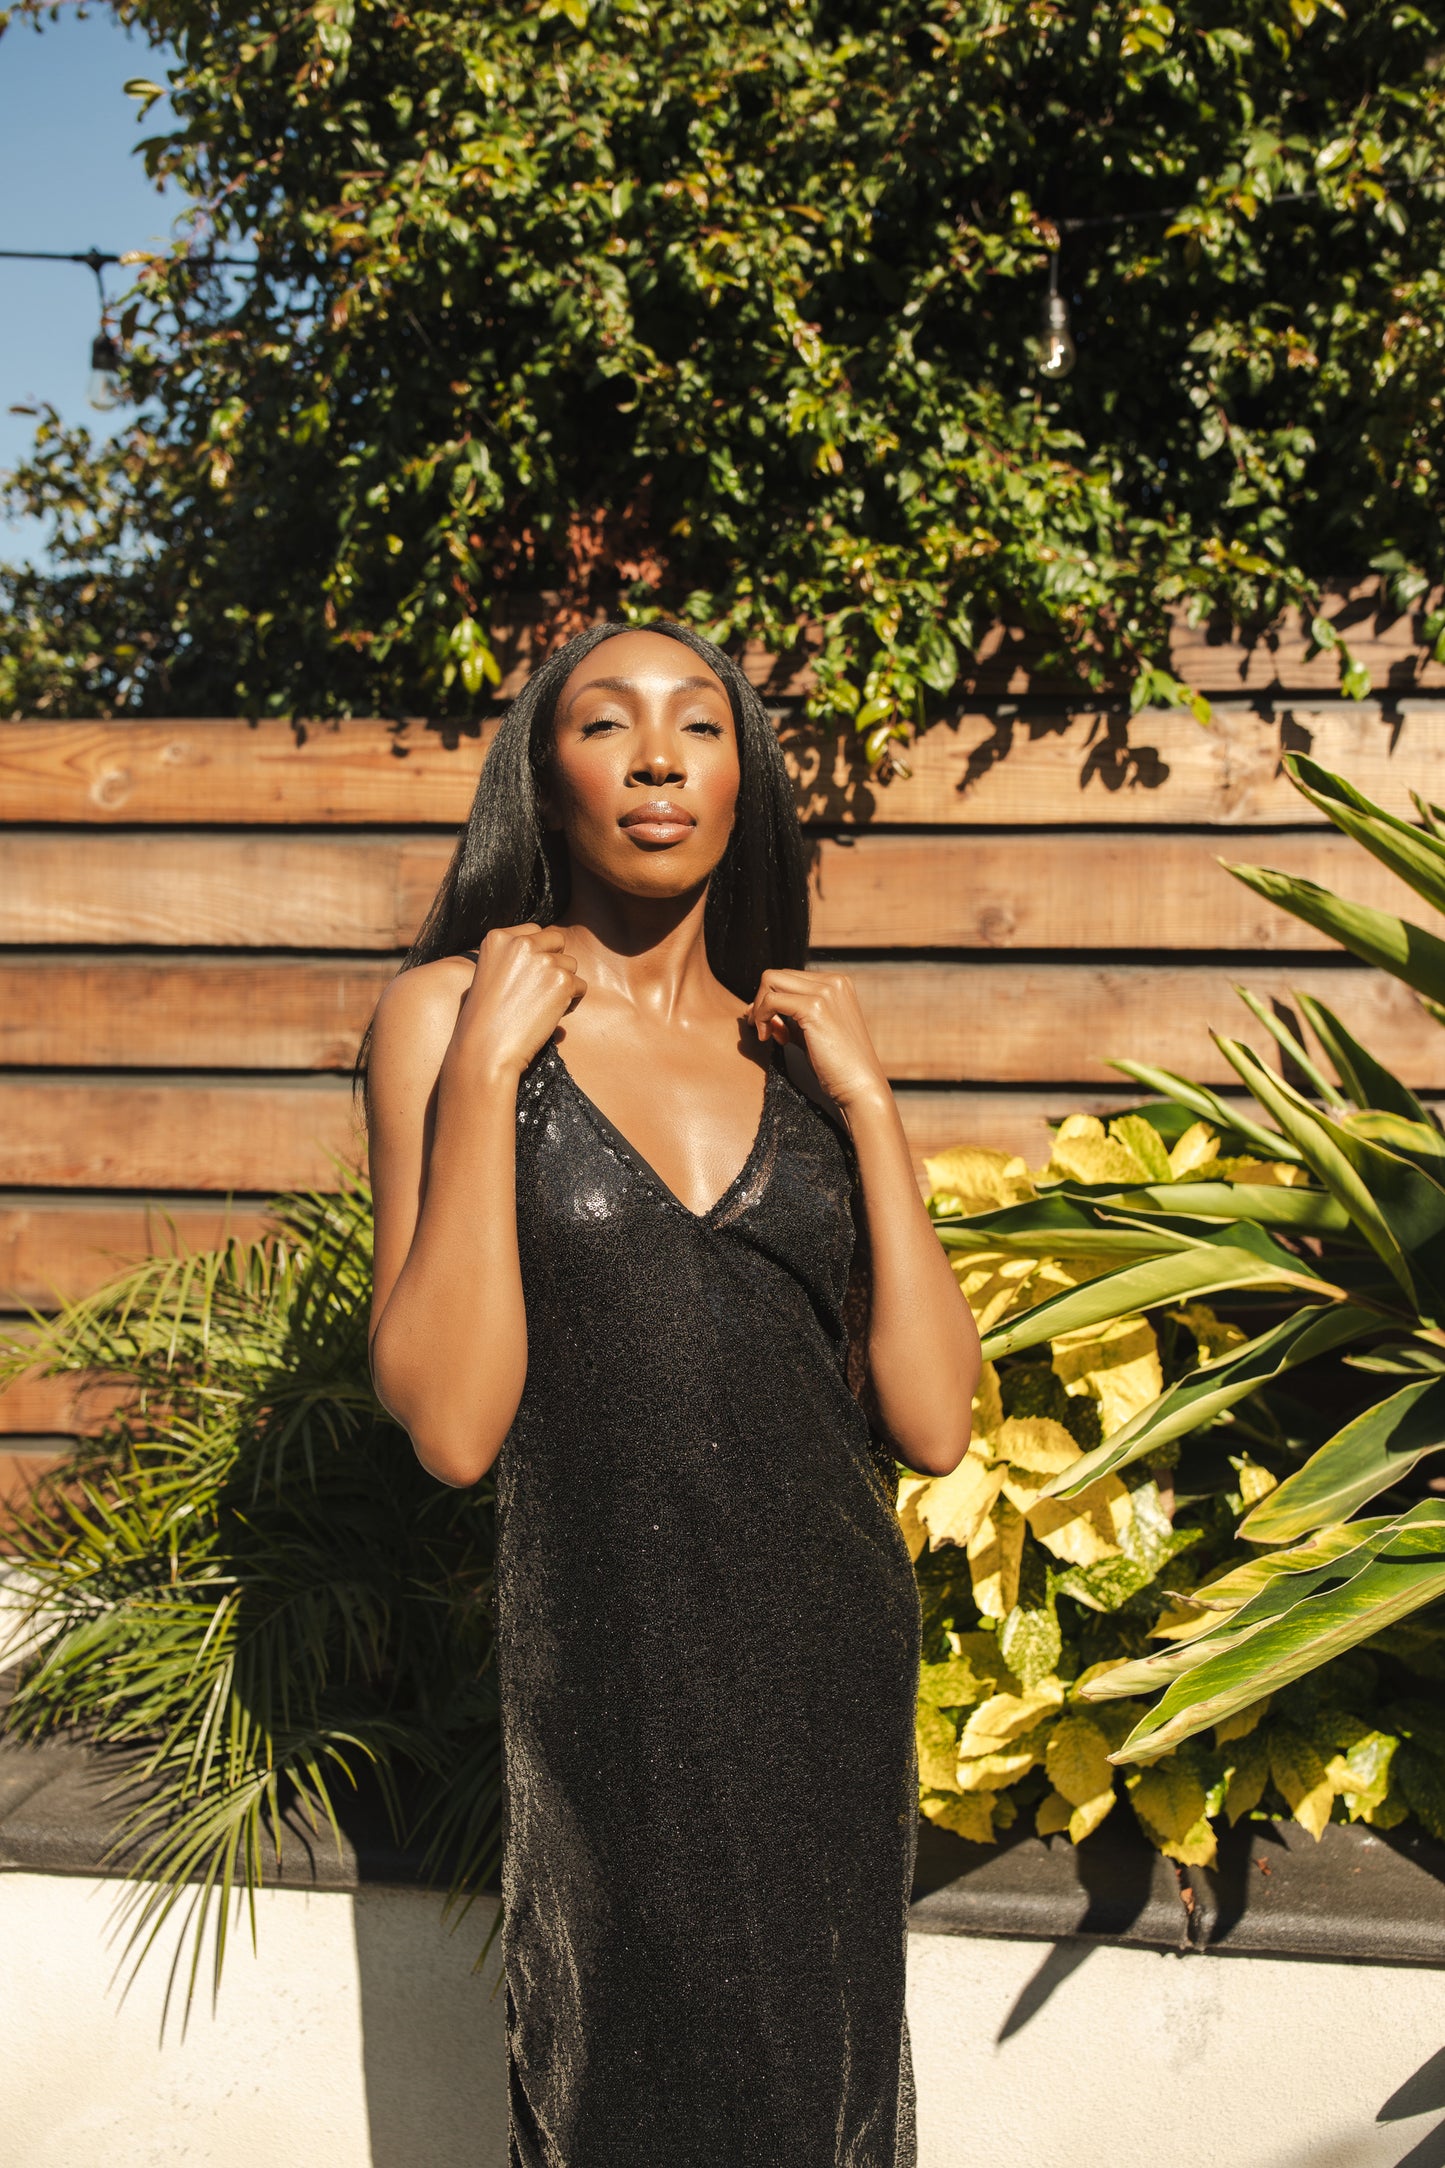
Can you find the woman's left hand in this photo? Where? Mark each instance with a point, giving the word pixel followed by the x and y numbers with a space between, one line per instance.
pixel 820 1011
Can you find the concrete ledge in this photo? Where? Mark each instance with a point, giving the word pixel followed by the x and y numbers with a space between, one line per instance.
pixel 1355 1895
pixel 1276 1893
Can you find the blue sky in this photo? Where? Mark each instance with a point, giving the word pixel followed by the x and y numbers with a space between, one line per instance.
pixel 69 179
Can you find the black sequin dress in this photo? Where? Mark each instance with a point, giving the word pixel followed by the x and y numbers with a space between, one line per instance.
pixel 708 1652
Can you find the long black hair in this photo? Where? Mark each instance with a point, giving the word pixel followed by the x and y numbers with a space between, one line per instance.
pixel 507 870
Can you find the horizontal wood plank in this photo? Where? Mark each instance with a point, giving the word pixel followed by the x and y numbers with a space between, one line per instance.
pixel 65 1247
pixel 996 1022
pixel 183 889
pixel 1091 891
pixel 24 1462
pixel 73 1406
pixel 942 889
pixel 1158 768
pixel 1049 769
pixel 200 1012
pixel 158 1133
pixel 1036 1023
pixel 278 1134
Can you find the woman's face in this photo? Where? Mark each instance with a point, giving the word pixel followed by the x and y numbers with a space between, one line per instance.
pixel 643 779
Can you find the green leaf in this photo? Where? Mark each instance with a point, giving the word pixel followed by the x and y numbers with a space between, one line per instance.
pixel 1200 1100
pixel 1298 1623
pixel 1356 1464
pixel 1366 1080
pixel 1234 1257
pixel 1417 857
pixel 1396 1206
pixel 1268 1204
pixel 1392 944
pixel 1284 1037
pixel 1203 1394
pixel 1062 1224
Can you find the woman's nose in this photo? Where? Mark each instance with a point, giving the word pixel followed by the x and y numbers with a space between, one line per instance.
pixel 659 764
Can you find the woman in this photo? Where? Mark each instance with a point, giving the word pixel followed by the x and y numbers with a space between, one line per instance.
pixel 630 1162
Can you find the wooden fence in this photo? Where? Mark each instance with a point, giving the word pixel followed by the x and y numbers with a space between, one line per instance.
pixel 196 918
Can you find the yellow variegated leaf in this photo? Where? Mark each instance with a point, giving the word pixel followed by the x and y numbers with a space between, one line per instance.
pixel 1198 1847
pixel 1116 1364
pixel 970 1815
pixel 915 1535
pixel 1083 1151
pixel 1241 1723
pixel 1212 1336
pixel 1077 1759
pixel 1085 1529
pixel 937 1749
pixel 1389 1814
pixel 995 1286
pixel 995 1553
pixel 987 1409
pixel 1271 1173
pixel 1361 1772
pixel 1300 1774
pixel 991 1772
pixel 1115 1719
pixel 1037 1444
pixel 1085 1819
pixel 1169 1801
pixel 1196 1149
pixel 968 1179
pixel 1139 1136
pixel 1053 1815
pixel 1001 1719
pixel 954 1507
pixel 1248 1776
pixel 954 1684
pixel 1254 1482
pixel 982 1654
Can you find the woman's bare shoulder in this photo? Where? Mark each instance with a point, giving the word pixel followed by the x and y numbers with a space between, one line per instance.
pixel 417 1014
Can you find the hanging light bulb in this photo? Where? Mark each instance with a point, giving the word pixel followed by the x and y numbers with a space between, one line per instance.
pixel 105 386
pixel 1056 347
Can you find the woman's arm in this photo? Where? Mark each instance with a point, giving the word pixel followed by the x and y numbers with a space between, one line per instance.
pixel 448 1326
pixel 923 1353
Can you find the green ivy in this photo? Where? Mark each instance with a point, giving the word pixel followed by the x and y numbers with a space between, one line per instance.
pixel 726 309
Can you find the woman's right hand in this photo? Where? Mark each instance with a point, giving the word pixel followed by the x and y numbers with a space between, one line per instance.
pixel 523 986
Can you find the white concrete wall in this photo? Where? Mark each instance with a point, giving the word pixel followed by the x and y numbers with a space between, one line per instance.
pixel 360 2037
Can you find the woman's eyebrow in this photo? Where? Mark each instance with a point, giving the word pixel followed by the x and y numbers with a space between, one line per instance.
pixel 627 685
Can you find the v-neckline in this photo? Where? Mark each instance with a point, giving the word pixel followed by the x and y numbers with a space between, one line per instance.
pixel 644 1166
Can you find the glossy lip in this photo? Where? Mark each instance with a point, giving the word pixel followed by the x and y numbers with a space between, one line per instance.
pixel 658 821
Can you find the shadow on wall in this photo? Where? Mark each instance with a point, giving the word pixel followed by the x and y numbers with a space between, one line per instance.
pixel 1422 2094
pixel 432 2039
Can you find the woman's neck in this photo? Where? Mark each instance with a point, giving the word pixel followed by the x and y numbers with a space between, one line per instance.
pixel 647 953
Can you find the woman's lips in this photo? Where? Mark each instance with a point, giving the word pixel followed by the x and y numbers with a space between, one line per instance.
pixel 659 821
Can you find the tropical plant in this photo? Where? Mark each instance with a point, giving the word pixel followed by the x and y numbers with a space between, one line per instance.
pixel 246 1585
pixel 1180 1471
pixel 732 312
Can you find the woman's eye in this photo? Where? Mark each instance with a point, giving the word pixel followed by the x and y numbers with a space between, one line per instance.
pixel 600 723
pixel 708 729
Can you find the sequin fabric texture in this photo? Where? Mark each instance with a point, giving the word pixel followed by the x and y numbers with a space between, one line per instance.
pixel 708 1641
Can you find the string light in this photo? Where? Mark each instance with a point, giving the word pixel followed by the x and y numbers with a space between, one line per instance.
pixel 1056 353
pixel 1056 345
pixel 106 389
